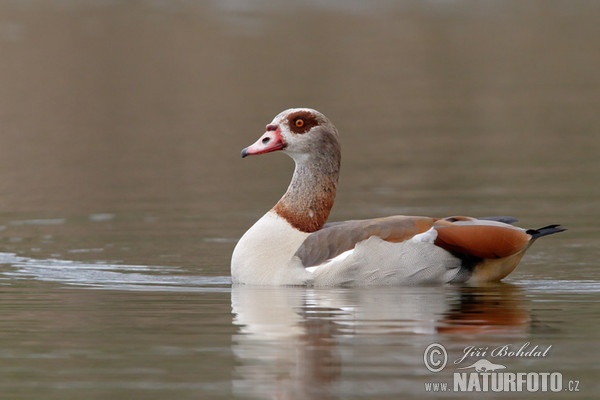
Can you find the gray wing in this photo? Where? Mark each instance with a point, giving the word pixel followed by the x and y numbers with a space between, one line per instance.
pixel 337 237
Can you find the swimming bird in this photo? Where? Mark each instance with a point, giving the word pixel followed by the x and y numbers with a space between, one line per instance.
pixel 292 244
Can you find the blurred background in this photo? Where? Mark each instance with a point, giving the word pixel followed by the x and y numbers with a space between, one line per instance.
pixel 121 126
pixel 121 122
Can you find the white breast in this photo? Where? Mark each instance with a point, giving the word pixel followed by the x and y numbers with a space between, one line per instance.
pixel 263 256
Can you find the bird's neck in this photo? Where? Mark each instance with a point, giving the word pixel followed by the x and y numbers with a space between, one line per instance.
pixel 309 198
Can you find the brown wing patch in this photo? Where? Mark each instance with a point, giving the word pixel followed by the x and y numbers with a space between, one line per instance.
pixel 338 237
pixel 480 239
pixel 396 230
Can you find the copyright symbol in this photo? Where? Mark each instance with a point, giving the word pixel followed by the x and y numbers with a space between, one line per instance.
pixel 435 357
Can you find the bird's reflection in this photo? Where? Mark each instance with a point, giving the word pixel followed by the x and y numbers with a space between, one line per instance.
pixel 496 308
pixel 294 343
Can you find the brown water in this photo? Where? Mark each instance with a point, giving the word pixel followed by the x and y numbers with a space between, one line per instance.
pixel 122 193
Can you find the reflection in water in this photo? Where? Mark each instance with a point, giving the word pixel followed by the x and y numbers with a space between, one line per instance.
pixel 487 309
pixel 120 126
pixel 290 341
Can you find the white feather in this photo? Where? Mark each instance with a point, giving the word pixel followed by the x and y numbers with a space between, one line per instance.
pixel 425 237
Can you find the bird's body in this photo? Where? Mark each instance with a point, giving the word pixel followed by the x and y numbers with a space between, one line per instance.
pixel 293 244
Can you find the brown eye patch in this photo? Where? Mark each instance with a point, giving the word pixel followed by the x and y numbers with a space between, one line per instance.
pixel 301 121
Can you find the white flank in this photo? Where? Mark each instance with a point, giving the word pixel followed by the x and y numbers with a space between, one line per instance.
pixel 338 258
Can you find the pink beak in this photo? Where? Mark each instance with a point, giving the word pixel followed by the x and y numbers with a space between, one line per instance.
pixel 270 141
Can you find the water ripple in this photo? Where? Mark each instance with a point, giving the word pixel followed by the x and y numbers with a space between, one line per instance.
pixel 560 286
pixel 109 275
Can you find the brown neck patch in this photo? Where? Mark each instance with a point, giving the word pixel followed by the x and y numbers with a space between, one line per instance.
pixel 306 217
pixel 309 198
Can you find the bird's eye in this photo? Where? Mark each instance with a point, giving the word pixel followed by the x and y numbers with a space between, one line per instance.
pixel 299 123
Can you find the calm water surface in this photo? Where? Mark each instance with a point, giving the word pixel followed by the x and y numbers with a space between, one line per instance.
pixel 122 193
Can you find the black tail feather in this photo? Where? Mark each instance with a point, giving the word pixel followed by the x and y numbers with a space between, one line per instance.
pixel 546 230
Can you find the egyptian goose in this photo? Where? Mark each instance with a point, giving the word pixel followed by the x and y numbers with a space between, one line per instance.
pixel 293 245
